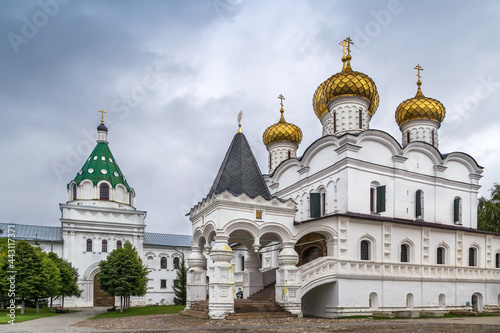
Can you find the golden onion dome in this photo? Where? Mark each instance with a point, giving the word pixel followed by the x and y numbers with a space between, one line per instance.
pixel 420 107
pixel 282 131
pixel 345 83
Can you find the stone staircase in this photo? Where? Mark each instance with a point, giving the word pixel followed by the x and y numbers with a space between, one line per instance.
pixel 198 310
pixel 259 305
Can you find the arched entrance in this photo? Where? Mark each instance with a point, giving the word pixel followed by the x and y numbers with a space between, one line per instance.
pixel 477 300
pixel 310 247
pixel 100 296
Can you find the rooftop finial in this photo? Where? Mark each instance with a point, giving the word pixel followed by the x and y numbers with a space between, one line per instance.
pixel 349 41
pixel 102 115
pixel 281 97
pixel 240 115
pixel 344 45
pixel 419 83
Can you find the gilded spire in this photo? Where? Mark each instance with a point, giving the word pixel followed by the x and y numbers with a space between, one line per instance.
pixel 102 115
pixel 419 83
pixel 282 119
pixel 346 59
pixel 240 115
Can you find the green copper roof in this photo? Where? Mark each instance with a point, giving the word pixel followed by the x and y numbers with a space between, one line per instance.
pixel 101 165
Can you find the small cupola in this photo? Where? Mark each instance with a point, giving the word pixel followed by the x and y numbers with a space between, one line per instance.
pixel 420 117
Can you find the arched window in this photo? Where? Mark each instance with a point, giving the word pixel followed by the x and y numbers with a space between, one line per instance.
pixel 289 153
pixel 405 253
pixel 317 204
pixel 176 263
pixel 242 263
pixel 89 245
pixel 104 192
pixel 360 118
pixel 442 301
pixel 419 204
pixel 118 244
pixel 365 250
pixel 472 256
pixel 440 252
pixel 163 262
pixel 373 301
pixel 377 198
pixel 407 136
pixel 457 210
pixel 104 245
pixel 334 122
pixel 433 138
pixel 497 260
pixel 73 189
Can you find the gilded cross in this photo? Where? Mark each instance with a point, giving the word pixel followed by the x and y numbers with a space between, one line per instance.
pixel 349 41
pixel 343 44
pixel 418 68
pixel 102 115
pixel 282 98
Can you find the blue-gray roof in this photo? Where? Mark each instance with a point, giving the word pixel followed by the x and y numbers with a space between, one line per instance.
pixel 32 232
pixel 153 238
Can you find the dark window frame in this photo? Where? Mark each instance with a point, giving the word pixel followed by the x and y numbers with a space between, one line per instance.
pixel 405 253
pixel 440 255
pixel 104 192
pixel 104 247
pixel 89 245
pixel 365 249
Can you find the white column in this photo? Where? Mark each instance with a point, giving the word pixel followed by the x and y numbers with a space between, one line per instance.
pixel 196 289
pixel 253 280
pixel 221 285
pixel 288 280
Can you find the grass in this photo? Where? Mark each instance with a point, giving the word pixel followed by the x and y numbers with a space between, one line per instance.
pixel 142 311
pixel 29 314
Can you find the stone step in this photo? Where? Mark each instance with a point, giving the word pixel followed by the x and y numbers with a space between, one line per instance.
pixel 195 313
pixel 258 315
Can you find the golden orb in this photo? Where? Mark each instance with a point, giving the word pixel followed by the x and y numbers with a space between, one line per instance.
pixel 420 107
pixel 282 131
pixel 345 83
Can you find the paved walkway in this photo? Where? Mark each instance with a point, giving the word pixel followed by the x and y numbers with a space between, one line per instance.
pixel 55 324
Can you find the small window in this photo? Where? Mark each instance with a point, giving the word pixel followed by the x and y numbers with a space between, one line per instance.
pixel 163 284
pixel 289 154
pixel 176 263
pixel 497 260
pixel 405 253
pixel 150 258
pixel 457 210
pixel 89 245
pixel 73 189
pixel 433 138
pixel 419 204
pixel 440 252
pixel 119 244
pixel 242 263
pixel 335 122
pixel 163 263
pixel 104 246
pixel 360 118
pixel 315 204
pixel 177 283
pixel 472 257
pixel 408 137
pixel 104 192
pixel 377 199
pixel 365 250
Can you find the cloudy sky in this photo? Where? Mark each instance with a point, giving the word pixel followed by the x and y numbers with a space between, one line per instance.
pixel 173 76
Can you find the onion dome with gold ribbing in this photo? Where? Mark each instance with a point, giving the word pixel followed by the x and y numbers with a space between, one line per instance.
pixel 282 131
pixel 345 83
pixel 420 108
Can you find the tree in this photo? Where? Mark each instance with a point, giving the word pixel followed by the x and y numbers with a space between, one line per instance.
pixel 488 211
pixel 50 279
pixel 69 279
pixel 180 284
pixel 123 274
pixel 3 252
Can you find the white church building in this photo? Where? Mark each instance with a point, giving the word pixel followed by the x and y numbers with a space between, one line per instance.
pixel 359 224
pixel 98 217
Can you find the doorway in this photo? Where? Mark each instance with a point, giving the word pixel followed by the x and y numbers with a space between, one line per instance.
pixel 100 296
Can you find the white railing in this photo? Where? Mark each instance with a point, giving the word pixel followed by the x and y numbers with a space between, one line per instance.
pixel 326 268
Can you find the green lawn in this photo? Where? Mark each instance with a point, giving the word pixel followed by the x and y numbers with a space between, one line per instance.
pixel 142 311
pixel 29 314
